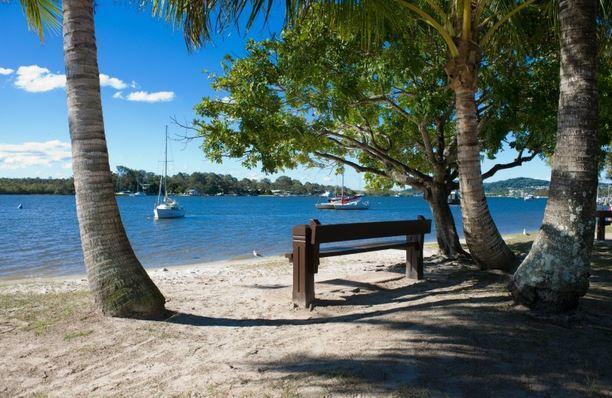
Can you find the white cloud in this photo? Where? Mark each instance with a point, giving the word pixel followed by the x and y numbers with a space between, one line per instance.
pixel 17 156
pixel 144 96
pixel 117 84
pixel 36 79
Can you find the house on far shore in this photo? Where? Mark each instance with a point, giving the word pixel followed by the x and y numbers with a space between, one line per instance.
pixel 192 192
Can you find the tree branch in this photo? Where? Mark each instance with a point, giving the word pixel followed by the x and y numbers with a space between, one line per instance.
pixel 427 143
pixel 382 156
pixel 358 167
pixel 520 159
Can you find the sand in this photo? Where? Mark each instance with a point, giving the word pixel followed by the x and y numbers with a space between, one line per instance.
pixel 372 333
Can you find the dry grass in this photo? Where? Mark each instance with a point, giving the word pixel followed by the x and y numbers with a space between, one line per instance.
pixel 38 313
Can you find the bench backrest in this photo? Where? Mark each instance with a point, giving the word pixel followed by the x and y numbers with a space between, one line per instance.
pixel 603 213
pixel 366 230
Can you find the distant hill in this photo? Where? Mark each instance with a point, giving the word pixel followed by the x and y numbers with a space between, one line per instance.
pixel 511 187
pixel 516 183
pixel 521 186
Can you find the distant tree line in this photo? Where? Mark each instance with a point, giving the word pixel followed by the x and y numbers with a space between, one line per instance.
pixel 131 180
pixel 49 186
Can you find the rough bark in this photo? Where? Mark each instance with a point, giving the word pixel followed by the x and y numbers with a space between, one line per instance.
pixel 555 274
pixel 446 230
pixel 120 285
pixel 484 241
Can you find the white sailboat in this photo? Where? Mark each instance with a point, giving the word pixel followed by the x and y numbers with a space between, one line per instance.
pixel 343 202
pixel 168 207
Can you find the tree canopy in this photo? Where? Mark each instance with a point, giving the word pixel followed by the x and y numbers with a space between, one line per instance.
pixel 315 96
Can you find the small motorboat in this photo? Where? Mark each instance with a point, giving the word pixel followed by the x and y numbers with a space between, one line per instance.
pixel 529 197
pixel 454 198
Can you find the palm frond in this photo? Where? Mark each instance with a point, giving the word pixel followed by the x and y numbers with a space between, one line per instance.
pixel 200 19
pixel 503 19
pixel 373 19
pixel 493 21
pixel 192 16
pixel 41 15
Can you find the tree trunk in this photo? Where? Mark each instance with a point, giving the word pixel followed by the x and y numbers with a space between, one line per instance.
pixel 556 271
pixel 120 285
pixel 446 230
pixel 486 245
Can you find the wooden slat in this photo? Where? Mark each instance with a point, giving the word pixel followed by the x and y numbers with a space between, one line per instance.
pixel 342 232
pixel 368 247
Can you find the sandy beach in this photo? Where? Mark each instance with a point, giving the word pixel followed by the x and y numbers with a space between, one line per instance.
pixel 372 333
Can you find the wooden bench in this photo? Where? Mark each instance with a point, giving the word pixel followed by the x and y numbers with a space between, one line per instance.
pixel 603 219
pixel 308 238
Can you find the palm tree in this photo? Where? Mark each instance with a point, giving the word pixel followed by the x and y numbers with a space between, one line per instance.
pixel 556 272
pixel 120 285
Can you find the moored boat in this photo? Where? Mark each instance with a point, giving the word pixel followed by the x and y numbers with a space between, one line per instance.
pixel 166 207
pixel 454 198
pixel 342 202
pixel 348 203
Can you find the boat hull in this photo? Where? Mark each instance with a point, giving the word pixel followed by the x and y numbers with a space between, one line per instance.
pixel 343 206
pixel 164 213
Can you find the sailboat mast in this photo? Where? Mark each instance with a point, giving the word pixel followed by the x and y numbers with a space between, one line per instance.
pixel 342 192
pixel 166 166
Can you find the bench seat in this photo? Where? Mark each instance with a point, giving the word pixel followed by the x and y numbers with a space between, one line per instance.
pixel 333 251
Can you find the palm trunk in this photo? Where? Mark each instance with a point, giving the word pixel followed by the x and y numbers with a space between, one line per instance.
pixel 120 285
pixel 486 245
pixel 556 272
pixel 446 230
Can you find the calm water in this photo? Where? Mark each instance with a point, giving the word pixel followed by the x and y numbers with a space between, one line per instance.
pixel 43 238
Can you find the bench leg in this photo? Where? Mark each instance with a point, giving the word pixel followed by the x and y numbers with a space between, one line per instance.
pixel 414 262
pixel 303 267
pixel 601 228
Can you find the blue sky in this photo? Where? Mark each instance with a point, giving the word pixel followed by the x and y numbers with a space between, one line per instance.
pixel 150 77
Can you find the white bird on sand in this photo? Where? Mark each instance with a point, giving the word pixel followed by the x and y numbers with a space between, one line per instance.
pixel 255 254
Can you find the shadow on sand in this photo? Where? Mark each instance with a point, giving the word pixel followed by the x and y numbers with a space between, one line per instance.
pixel 460 335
